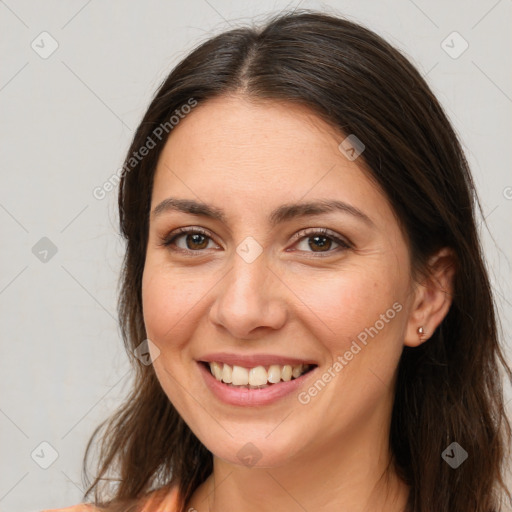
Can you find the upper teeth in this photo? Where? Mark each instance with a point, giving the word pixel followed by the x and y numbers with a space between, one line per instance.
pixel 258 376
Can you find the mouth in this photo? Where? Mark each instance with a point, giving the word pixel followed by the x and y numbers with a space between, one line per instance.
pixel 258 377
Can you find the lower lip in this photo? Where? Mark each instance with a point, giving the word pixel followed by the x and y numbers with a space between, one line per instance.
pixel 251 397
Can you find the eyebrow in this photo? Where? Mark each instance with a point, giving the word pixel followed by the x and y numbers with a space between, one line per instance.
pixel 281 214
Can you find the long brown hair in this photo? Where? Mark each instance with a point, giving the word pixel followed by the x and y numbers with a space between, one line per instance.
pixel 449 389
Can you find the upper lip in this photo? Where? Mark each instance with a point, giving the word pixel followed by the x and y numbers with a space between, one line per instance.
pixel 251 361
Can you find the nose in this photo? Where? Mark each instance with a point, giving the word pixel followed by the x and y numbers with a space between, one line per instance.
pixel 250 300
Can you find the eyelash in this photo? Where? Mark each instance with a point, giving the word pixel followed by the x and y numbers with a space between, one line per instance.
pixel 169 239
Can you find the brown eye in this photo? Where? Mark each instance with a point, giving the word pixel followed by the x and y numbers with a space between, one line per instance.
pixel 321 241
pixel 195 240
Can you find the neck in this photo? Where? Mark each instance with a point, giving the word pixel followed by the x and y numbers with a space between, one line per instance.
pixel 356 476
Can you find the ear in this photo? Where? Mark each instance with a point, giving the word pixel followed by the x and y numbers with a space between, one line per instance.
pixel 432 298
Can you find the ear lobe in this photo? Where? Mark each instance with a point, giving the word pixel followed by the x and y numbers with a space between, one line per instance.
pixel 433 298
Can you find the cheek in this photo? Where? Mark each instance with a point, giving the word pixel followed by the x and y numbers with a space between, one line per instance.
pixel 359 323
pixel 166 303
pixel 162 305
pixel 360 317
pixel 168 308
pixel 344 303
pixel 155 301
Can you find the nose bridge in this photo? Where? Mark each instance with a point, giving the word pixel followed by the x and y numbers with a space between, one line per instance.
pixel 249 274
pixel 249 277
pixel 248 297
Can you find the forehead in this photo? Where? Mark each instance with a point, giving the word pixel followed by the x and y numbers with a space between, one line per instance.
pixel 242 154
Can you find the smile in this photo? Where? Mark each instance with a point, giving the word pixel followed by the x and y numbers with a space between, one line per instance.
pixel 258 377
pixel 256 386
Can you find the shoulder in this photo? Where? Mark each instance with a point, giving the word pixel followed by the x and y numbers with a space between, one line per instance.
pixel 165 500
pixel 75 508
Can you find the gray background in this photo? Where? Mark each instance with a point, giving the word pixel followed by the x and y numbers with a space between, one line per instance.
pixel 67 121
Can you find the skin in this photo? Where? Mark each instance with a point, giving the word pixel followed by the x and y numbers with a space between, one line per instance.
pixel 247 158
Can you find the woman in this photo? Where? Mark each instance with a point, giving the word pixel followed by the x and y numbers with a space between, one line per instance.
pixel 304 272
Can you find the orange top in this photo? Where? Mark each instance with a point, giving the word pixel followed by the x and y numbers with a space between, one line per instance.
pixel 169 504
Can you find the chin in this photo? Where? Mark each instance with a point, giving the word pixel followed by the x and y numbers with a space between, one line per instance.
pixel 256 453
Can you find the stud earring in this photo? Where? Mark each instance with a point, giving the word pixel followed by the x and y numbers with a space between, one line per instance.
pixel 421 331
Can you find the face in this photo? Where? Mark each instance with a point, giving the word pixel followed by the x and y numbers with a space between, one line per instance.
pixel 263 285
